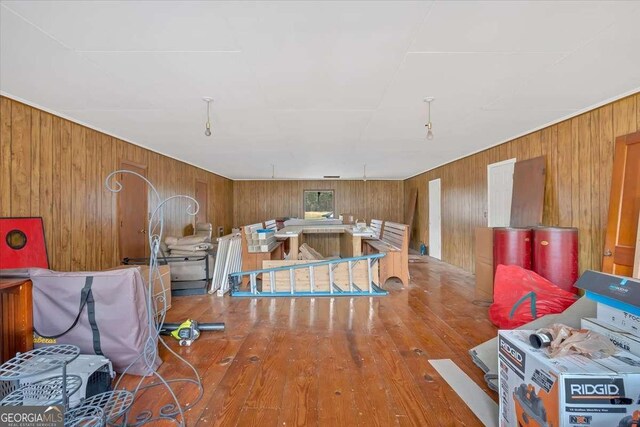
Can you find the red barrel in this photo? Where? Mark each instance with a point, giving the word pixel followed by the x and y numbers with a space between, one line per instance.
pixel 555 255
pixel 512 246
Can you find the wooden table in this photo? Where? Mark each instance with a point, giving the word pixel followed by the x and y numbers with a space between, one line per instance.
pixel 350 239
pixel 16 317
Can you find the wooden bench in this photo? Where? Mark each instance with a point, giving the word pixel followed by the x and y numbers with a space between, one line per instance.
pixel 394 241
pixel 376 226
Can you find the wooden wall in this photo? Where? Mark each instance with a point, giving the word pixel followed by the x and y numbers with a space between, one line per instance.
pixel 257 201
pixel 54 168
pixel 579 156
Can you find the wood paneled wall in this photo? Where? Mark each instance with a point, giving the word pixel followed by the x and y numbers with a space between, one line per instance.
pixel 54 168
pixel 256 201
pixel 579 159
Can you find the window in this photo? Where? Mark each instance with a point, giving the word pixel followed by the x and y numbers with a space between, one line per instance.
pixel 318 204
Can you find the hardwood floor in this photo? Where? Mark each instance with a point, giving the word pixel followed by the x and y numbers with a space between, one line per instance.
pixel 335 362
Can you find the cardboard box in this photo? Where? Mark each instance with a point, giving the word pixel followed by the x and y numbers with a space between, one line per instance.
pixel 484 263
pixel 622 293
pixel 159 294
pixel 569 391
pixel 484 245
pixel 619 338
pixel 621 319
pixel 484 281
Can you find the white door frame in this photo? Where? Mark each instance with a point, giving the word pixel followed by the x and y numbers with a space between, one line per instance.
pixel 489 168
pixel 435 239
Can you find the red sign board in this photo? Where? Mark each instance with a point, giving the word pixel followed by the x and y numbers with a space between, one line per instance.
pixel 22 243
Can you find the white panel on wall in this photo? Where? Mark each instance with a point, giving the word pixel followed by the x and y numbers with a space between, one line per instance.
pixel 500 188
pixel 435 219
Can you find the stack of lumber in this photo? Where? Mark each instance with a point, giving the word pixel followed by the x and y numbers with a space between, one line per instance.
pixel 309 254
pixel 261 240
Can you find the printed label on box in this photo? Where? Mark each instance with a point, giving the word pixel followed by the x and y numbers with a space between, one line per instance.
pixel 593 390
pixel 515 356
pixel 621 319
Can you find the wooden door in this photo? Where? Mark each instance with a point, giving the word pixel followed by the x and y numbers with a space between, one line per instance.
pixel 132 213
pixel 624 207
pixel 527 200
pixel 202 197
pixel 636 262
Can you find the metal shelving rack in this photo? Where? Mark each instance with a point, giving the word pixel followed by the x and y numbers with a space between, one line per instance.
pixel 54 390
pixel 85 416
pixel 97 410
pixel 114 404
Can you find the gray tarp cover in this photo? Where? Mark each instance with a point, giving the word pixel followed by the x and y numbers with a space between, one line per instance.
pixel 120 313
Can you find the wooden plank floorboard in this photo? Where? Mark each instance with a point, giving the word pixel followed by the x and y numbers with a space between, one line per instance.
pixel 266 392
pixel 407 399
pixel 372 397
pixel 300 394
pixel 441 398
pixel 227 401
pixel 258 417
pixel 332 361
pixel 336 402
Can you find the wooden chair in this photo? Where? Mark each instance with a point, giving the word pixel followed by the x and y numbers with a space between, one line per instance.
pixel 394 242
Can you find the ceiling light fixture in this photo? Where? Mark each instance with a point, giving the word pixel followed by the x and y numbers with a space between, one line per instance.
pixel 364 175
pixel 207 129
pixel 429 126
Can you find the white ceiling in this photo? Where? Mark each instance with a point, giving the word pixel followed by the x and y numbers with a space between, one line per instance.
pixel 318 88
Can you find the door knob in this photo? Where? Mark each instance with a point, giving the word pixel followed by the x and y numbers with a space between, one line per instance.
pixel 143 231
pixel 607 252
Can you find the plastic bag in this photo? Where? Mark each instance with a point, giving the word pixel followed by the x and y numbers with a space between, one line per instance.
pixel 567 340
pixel 521 296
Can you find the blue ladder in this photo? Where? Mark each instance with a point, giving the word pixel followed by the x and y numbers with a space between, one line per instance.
pixel 356 276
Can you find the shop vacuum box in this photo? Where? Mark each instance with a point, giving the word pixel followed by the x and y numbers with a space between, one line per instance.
pixel 537 391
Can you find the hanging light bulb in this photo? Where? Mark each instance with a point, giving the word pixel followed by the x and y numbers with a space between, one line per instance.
pixel 364 175
pixel 429 125
pixel 429 132
pixel 207 130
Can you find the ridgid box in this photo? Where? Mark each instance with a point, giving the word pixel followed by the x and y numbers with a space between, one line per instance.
pixel 567 391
